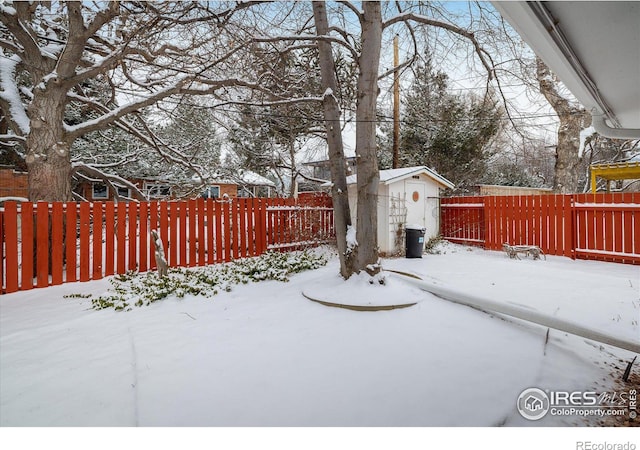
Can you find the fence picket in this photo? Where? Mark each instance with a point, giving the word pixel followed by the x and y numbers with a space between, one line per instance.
pixel 242 227
pixel 85 233
pixel 11 246
pixel 132 234
pixel 153 225
pixel 42 244
pixel 96 234
pixel 71 242
pixel 251 231
pixel 201 239
pixel 210 229
pixel 608 225
pixel 143 236
pixel 192 240
pixel 26 232
pixel 109 238
pixel 57 243
pixel 171 244
pixel 632 223
pixel 226 230
pixel 219 235
pixel 121 237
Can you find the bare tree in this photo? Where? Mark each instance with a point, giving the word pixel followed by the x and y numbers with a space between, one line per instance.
pixel 366 52
pixel 144 52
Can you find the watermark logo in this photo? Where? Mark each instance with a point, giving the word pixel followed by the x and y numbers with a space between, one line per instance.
pixel 533 404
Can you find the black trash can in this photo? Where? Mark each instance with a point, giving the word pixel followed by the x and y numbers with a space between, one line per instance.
pixel 414 241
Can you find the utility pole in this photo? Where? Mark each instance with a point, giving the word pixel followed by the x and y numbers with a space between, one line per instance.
pixel 396 106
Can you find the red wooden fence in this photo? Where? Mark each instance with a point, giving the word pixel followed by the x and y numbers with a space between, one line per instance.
pixel 47 244
pixel 587 226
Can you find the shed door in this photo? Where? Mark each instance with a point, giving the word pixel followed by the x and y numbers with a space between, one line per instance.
pixel 416 203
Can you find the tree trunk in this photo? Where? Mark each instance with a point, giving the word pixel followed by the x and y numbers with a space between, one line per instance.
pixel 339 194
pixel 48 153
pixel 572 120
pixel 566 173
pixel 368 174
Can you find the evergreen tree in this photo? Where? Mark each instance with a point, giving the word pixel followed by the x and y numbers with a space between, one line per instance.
pixel 447 132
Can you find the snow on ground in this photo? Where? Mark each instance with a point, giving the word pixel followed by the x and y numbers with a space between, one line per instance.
pixel 263 355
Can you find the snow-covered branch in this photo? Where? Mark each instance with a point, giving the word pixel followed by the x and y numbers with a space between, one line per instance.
pixel 109 180
pixel 10 99
pixel 314 38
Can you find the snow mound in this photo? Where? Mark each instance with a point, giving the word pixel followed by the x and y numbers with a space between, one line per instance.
pixel 364 290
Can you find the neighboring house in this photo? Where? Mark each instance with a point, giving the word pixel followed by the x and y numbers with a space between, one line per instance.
pixel 408 196
pixel 251 184
pixel 13 183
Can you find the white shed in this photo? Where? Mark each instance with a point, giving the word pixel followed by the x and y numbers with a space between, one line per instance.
pixel 408 196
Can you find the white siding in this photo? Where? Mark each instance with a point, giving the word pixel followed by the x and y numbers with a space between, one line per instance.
pixel 424 212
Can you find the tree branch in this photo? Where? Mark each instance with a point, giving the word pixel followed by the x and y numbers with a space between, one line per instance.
pixel 484 56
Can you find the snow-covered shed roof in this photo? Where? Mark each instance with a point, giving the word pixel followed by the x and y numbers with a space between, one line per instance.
pixel 389 176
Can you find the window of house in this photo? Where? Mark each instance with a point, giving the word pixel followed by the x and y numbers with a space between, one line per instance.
pixel 158 190
pixel 99 191
pixel 211 192
pixel 124 192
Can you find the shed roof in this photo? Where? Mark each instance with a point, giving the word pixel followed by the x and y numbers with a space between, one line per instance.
pixel 389 176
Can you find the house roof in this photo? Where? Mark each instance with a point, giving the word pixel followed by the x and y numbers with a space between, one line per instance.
pixel 392 175
pixel 594 48
pixel 254 179
pixel 244 177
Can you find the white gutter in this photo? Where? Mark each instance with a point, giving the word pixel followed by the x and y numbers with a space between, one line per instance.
pixel 511 310
pixel 600 125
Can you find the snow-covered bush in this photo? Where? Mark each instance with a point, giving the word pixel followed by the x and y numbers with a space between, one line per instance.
pixel 141 289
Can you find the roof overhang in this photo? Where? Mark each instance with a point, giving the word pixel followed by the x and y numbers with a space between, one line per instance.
pixel 594 48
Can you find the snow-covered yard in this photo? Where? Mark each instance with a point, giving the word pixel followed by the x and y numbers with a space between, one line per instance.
pixel 263 355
